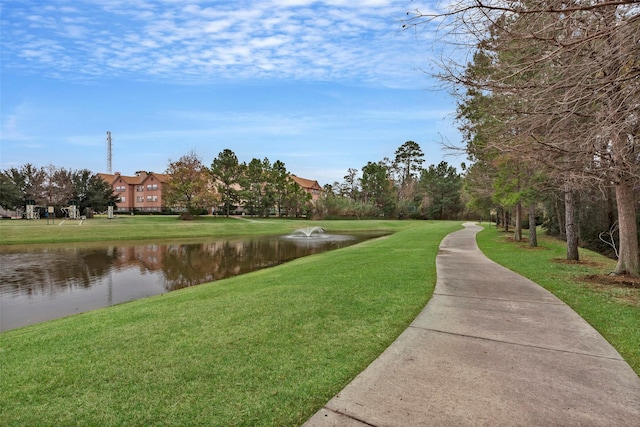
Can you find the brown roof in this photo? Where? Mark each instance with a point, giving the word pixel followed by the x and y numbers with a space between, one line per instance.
pixel 306 183
pixel 108 177
pixel 162 177
pixel 133 180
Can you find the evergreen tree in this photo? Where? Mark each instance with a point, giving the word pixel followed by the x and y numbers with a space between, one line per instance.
pixel 226 170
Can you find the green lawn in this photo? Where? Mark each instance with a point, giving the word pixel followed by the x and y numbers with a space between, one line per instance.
pixel 614 310
pixel 167 227
pixel 267 348
pixel 264 349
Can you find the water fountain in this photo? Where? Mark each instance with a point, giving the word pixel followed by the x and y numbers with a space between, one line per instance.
pixel 308 231
pixel 314 236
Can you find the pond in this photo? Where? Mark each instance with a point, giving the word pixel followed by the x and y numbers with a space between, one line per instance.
pixel 44 282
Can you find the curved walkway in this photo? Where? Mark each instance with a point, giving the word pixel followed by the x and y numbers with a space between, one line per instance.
pixel 490 348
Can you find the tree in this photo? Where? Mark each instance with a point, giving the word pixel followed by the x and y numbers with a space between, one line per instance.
pixel 296 200
pixel 30 182
pixel 619 71
pixel 408 160
pixel 58 186
pixel 569 73
pixel 226 170
pixel 442 185
pixel 10 194
pixel 257 193
pixel 477 190
pixel 408 163
pixel 376 187
pixel 91 191
pixel 188 186
pixel 278 177
pixel 54 186
pixel 349 186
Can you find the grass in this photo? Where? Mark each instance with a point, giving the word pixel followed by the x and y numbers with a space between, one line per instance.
pixel 267 348
pixel 611 308
pixel 166 227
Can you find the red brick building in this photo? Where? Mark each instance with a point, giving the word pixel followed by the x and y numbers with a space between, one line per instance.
pixel 142 192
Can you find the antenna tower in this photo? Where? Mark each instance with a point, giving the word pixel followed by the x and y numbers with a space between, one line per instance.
pixel 109 152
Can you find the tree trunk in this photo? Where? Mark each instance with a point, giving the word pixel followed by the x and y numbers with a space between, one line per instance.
pixel 624 152
pixel 571 225
pixel 628 261
pixel 517 236
pixel 505 220
pixel 533 235
pixel 560 215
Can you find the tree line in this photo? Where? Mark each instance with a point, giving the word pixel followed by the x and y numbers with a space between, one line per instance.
pixel 54 186
pixel 548 100
pixel 389 188
pixel 397 188
pixel 257 188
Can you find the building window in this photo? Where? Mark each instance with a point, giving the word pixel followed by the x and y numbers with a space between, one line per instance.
pixel 140 199
pixel 152 198
pixel 139 188
pixel 123 199
pixel 152 187
pixel 120 188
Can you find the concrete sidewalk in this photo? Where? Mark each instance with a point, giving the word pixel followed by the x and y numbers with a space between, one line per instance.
pixel 490 348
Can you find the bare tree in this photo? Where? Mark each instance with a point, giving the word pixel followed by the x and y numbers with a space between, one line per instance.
pixel 350 186
pixel 565 77
pixel 58 186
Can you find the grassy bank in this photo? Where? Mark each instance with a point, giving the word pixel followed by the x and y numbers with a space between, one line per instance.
pixel 167 227
pixel 267 348
pixel 611 308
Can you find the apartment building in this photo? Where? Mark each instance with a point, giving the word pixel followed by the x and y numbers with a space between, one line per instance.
pixel 310 186
pixel 142 192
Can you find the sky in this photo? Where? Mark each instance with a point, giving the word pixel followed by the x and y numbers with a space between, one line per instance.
pixel 322 86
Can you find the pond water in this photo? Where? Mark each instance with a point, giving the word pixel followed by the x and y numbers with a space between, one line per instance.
pixel 44 282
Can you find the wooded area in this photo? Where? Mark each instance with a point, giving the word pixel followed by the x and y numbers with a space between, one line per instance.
pixel 53 186
pixel 549 104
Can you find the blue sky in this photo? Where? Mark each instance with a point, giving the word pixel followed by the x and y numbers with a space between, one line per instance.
pixel 323 86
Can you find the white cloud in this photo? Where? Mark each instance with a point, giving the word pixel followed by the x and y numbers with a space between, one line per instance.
pixel 250 39
pixel 10 129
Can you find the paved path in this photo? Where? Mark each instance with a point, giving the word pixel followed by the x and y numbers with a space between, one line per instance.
pixel 490 349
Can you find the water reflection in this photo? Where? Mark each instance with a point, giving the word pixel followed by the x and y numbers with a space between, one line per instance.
pixel 43 282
